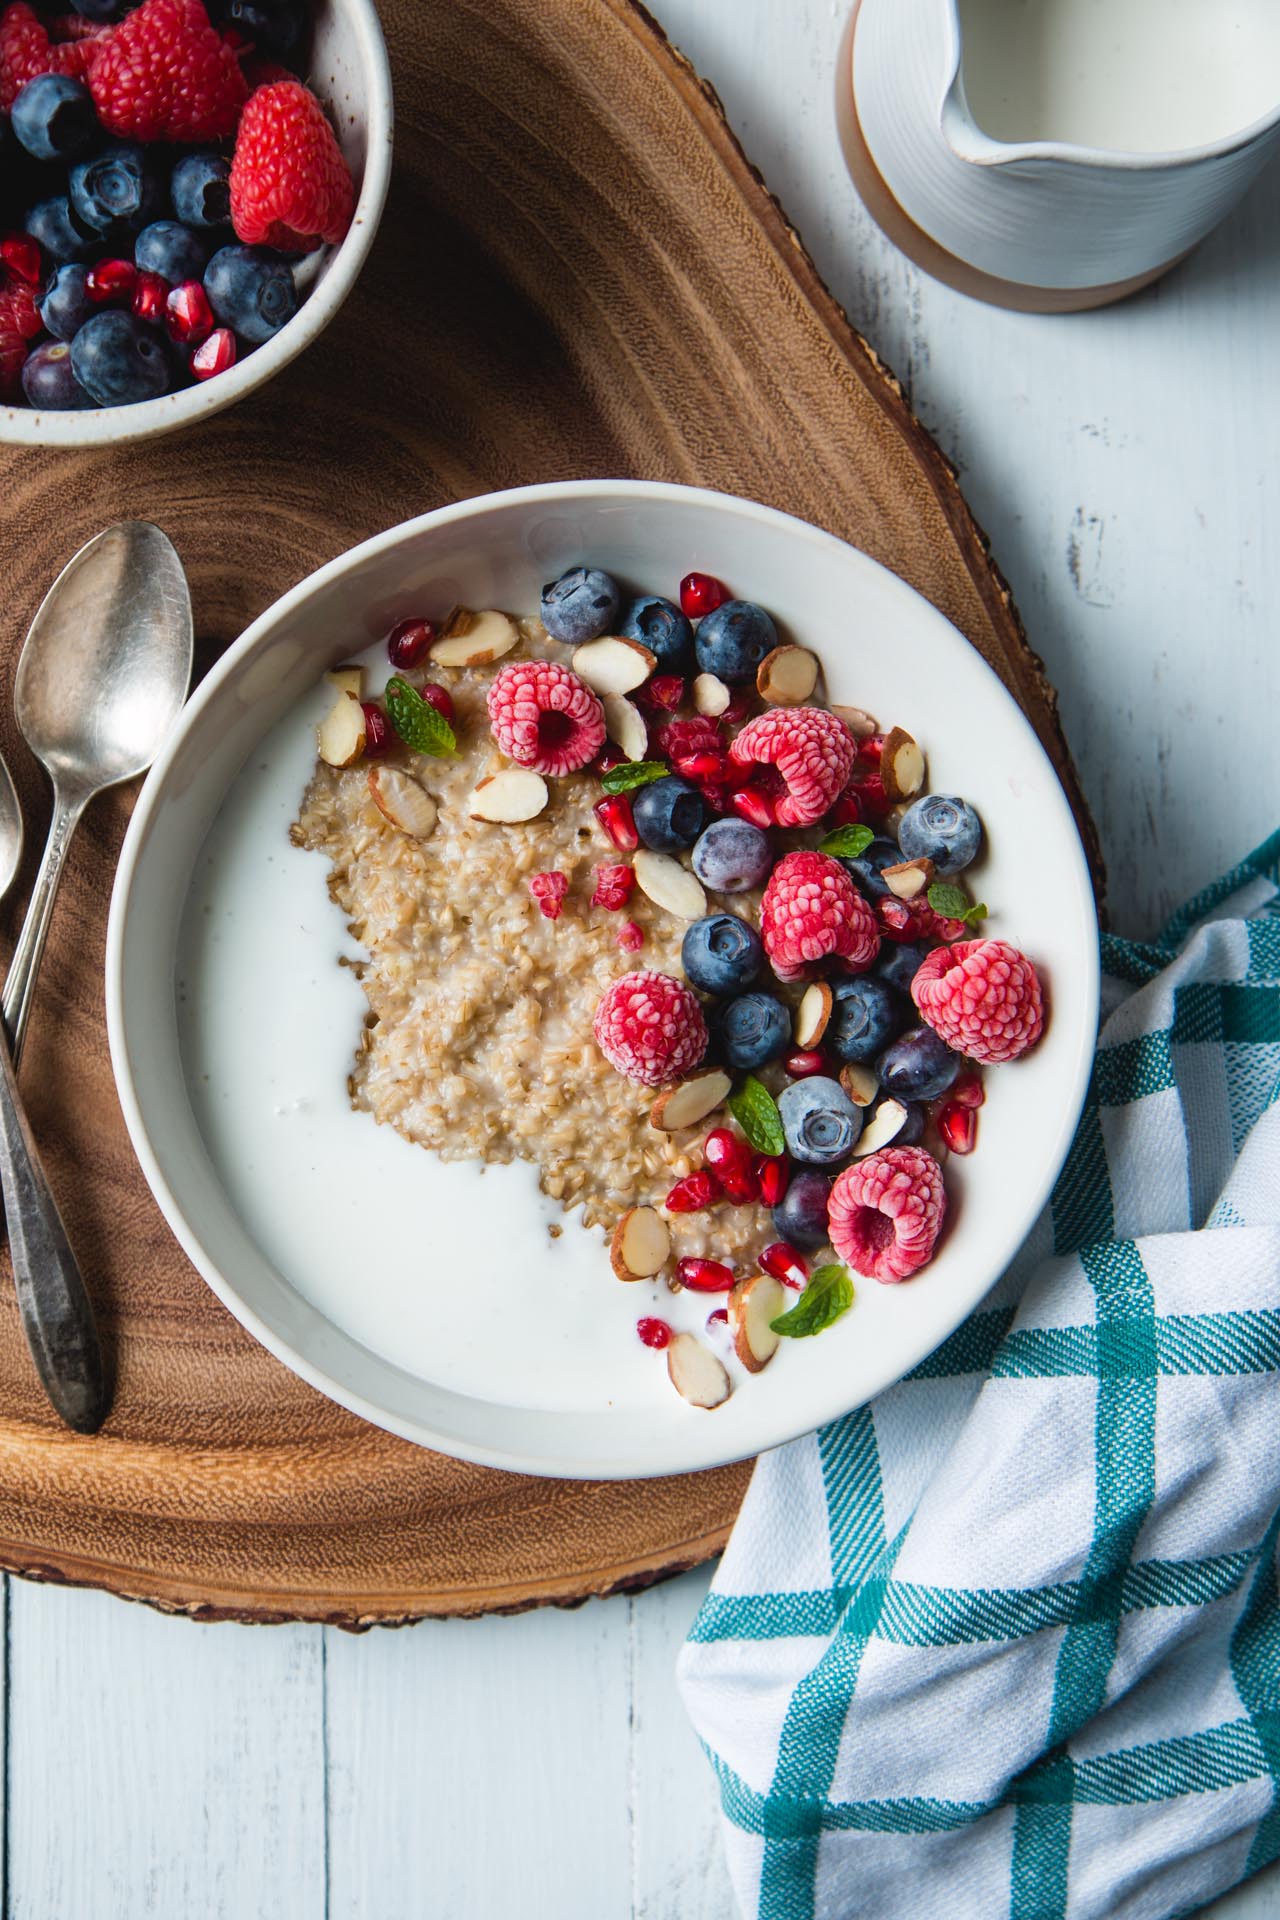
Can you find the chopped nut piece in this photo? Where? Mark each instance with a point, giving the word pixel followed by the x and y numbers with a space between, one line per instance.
pixel 669 885
pixel 613 665
pixel 340 735
pixel 508 797
pixel 696 1373
pixel 753 1305
pixel 474 639
pixel 691 1101
pixel 641 1244
pixel 402 802
pixel 813 1014
pixel 787 676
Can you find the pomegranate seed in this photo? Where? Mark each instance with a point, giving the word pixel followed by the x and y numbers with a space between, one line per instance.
pixel 968 1091
pixel 743 1189
pixel 188 315
pixel 804 1063
pixel 712 795
pixel 717 768
pixel 615 816
pixel 608 759
pixel 750 804
pixel 654 1333
pixel 694 1192
pixel 726 1152
pixel 785 1264
pixel 630 937
pixel 149 297
pixel 773 1173
pixel 847 811
pixel 872 796
pixel 717 1318
pixel 409 641
pixel 958 1126
pixel 438 697
pixel 111 282
pixel 704 1276
pixel 377 730
pixel 701 593
pixel 215 355
pixel 21 255
pixel 665 690
pixel 872 750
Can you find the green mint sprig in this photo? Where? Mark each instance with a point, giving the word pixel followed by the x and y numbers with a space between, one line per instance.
pixel 633 773
pixel 846 843
pixel 756 1112
pixel 826 1299
pixel 954 904
pixel 421 728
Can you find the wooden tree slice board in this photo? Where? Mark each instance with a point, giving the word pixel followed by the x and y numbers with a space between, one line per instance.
pixel 578 274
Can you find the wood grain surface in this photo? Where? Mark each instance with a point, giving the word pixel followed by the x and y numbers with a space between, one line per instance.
pixel 578 274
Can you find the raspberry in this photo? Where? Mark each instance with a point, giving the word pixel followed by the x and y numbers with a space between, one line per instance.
pixel 290 186
pixel 630 937
pixel 811 912
pixel 650 1027
pixel 549 890
pixel 614 887
pixel 19 324
pixel 165 74
pixel 26 52
pixel 812 750
pixel 982 997
pixel 885 1213
pixel 544 717
pixel 681 739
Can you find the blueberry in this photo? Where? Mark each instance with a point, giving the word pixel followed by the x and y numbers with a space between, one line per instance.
pixel 64 304
pixel 173 251
pixel 47 379
pixel 722 954
pixel 53 117
pixel 582 604
pixel 200 190
pixel 943 828
pixel 753 1029
pixel 800 1217
pixel 118 359
pixel 919 1066
pixel 276 25
pixel 732 856
pixel 669 814
pixel 661 627
pixel 864 868
pixel 252 291
pixel 55 226
pixel 867 1014
pixel 820 1120
pixel 117 189
pixel 100 9
pixel 900 962
pixel 733 640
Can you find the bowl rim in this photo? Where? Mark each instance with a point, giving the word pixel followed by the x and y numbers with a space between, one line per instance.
pixel 151 799
pixel 121 426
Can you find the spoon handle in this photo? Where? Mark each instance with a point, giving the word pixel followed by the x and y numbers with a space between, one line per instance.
pixel 19 986
pixel 57 1316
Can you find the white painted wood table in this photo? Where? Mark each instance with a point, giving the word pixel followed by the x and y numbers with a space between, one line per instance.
pixel 1125 464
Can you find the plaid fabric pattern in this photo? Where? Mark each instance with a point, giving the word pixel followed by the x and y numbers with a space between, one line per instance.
pixel 1007 1640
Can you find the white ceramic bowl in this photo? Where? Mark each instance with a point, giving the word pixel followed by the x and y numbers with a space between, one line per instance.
pixel 349 70
pixel 884 648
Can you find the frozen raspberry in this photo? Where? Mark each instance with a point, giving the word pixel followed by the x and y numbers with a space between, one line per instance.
pixel 885 1211
pixel 650 1027
pixel 982 997
pixel 630 937
pixel 549 890
pixel 811 911
pixel 614 887
pixel 165 74
pixel 544 717
pixel 812 750
pixel 26 52
pixel 290 186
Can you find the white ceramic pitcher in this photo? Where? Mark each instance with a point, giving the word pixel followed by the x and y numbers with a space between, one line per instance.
pixel 1010 209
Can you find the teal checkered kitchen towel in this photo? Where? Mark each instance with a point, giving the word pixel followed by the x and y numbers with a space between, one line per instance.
pixel 1007 1641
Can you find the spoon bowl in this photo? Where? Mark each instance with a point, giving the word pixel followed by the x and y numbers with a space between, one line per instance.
pixel 11 830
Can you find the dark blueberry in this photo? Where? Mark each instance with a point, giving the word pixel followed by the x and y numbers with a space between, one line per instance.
pixel 54 119
pixel 732 641
pixel 661 627
pixel 800 1217
pixel 64 304
pixel 919 1066
pixel 581 605
pixel 820 1121
pixel 275 25
pixel 864 868
pixel 752 1030
pixel 900 962
pixel 722 954
pixel 732 857
pixel 943 828
pixel 173 251
pixel 669 814
pixel 55 226
pixel 200 190
pixel 866 1015
pixel 252 291
pixel 101 10
pixel 116 190
pixel 47 379
pixel 119 359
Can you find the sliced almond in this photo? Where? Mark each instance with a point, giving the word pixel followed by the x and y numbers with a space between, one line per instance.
pixel 691 1101
pixel 340 735
pixel 474 639
pixel 859 1083
pixel 710 695
pixel 696 1373
pixel 613 665
pixel 908 879
pixel 787 676
pixel 901 765
pixel 347 680
pixel 753 1305
pixel 641 1244
pixel 884 1126
pixel 400 799
pixel 624 724
pixel 860 723
pixel 893 820
pixel 813 1014
pixel 514 794
pixel 669 885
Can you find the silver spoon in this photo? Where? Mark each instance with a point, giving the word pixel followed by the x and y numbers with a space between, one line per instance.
pixel 101 680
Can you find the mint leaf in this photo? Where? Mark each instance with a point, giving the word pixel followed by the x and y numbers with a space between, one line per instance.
pixel 756 1112
pixel 846 843
pixel 953 903
pixel 633 773
pixel 974 915
pixel 827 1297
pixel 417 722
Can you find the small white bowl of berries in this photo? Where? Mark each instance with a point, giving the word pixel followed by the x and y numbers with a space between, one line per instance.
pixel 188 191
